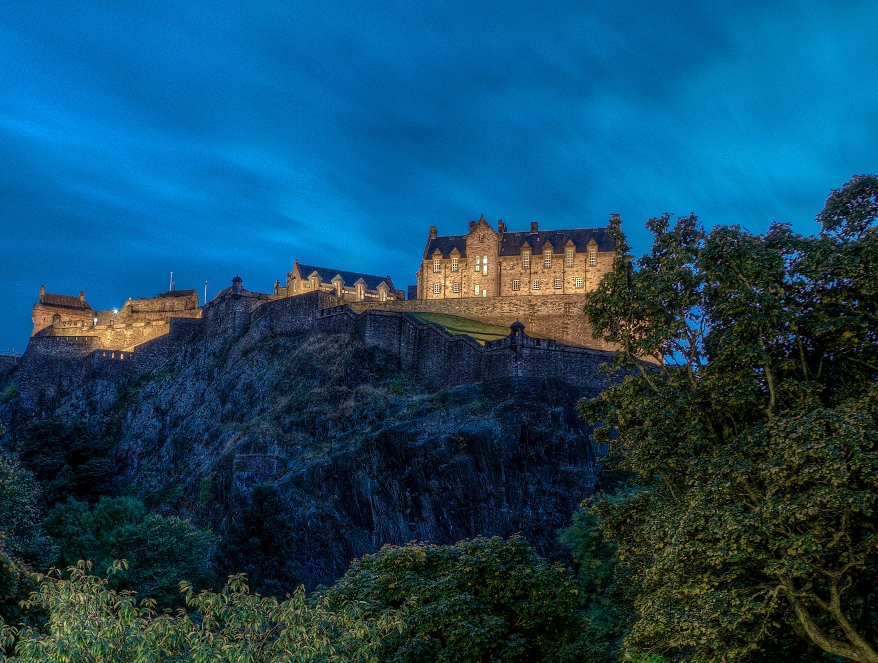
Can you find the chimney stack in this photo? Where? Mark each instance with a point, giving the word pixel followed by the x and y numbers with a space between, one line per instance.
pixel 42 292
pixel 501 227
pixel 432 232
pixel 534 227
pixel 472 224
pixel 82 295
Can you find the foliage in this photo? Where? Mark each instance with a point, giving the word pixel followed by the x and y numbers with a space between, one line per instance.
pixel 89 621
pixel 161 551
pixel 22 542
pixel 260 542
pixel 602 600
pixel 66 460
pixel 479 600
pixel 749 522
pixel 8 394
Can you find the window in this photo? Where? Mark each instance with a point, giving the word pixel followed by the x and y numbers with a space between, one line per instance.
pixel 536 284
pixel 557 284
pixel 383 297
pixel 485 266
pixel 484 292
pixel 478 263
pixel 477 290
pixel 577 282
pixel 592 257
pixel 547 259
pixel 482 237
pixel 516 284
pixel 437 265
pixel 454 264
pixel 568 258
pixel 525 260
pixel 455 287
pixel 437 288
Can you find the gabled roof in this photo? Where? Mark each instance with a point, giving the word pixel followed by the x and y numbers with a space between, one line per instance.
pixel 349 278
pixel 511 243
pixel 446 245
pixel 64 301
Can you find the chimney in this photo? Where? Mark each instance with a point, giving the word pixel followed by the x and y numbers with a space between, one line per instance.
pixel 616 218
pixel 534 227
pixel 42 292
pixel 432 232
pixel 472 224
pixel 501 227
pixel 82 295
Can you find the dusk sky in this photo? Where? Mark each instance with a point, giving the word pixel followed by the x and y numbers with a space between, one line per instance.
pixel 215 138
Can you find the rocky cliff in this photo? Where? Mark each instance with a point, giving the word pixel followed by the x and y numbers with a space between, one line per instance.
pixel 359 456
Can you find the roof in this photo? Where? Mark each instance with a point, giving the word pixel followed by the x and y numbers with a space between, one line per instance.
pixel 348 278
pixel 178 293
pixel 446 245
pixel 64 301
pixel 511 243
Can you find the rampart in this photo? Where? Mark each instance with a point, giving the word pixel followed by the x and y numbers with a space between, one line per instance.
pixel 429 355
pixel 558 317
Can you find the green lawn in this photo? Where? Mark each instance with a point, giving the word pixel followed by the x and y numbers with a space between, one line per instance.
pixel 456 326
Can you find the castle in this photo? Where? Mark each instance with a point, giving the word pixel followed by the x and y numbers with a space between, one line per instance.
pixel 534 280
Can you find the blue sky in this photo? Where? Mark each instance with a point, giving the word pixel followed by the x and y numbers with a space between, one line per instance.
pixel 141 137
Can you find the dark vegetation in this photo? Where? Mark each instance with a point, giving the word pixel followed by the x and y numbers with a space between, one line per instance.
pixel 734 521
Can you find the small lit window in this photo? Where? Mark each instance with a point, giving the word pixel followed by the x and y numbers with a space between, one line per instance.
pixel 383 295
pixel 592 257
pixel 568 258
pixel 437 288
pixel 525 260
pixel 477 290
pixel 454 264
pixel 557 284
pixel 516 285
pixel 437 265
pixel 455 287
pixel 536 284
pixel 478 263
pixel 485 266
pixel 547 259
pixel 577 282
pixel 484 292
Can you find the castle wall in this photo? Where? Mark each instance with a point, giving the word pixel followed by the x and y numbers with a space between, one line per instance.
pixel 559 317
pixel 42 316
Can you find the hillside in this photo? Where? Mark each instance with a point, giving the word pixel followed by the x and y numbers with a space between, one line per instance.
pixel 359 456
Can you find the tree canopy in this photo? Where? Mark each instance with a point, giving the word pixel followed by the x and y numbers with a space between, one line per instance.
pixel 749 520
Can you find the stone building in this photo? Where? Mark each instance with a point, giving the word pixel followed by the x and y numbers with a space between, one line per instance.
pixel 497 263
pixel 68 308
pixel 350 286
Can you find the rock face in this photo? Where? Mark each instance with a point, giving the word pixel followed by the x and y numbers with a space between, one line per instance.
pixel 360 457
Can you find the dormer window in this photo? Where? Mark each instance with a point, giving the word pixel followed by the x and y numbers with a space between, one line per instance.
pixel 437 265
pixel 592 257
pixel 568 258
pixel 547 258
pixel 454 264
pixel 525 260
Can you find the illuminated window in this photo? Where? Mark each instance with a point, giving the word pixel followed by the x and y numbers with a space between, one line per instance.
pixel 484 292
pixel 568 258
pixel 592 257
pixel 477 290
pixel 577 282
pixel 437 265
pixel 454 264
pixel 437 288
pixel 547 259
pixel 455 287
pixel 478 263
pixel 536 285
pixel 485 266
pixel 383 297
pixel 525 260
pixel 516 285
pixel 557 284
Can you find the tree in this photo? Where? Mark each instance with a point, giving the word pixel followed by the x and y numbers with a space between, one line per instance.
pixel 749 523
pixel 479 600
pixel 161 551
pixel 260 542
pixel 89 621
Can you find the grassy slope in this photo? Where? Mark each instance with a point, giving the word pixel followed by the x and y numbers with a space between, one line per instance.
pixel 455 325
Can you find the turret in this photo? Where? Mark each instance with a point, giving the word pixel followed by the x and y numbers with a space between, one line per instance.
pixel 237 285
